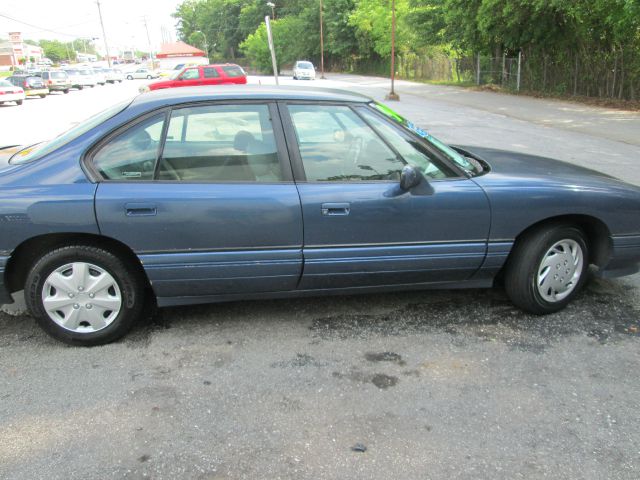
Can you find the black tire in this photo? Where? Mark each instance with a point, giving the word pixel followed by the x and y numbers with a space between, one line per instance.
pixel 66 90
pixel 18 102
pixel 129 281
pixel 521 272
pixel 80 87
pixel 43 96
pixel 148 77
pixel 129 77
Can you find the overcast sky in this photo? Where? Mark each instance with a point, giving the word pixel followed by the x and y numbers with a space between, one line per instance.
pixel 69 19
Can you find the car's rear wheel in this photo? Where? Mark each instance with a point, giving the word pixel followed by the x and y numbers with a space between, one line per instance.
pixel 129 77
pixel 42 95
pixel 18 102
pixel 66 90
pixel 547 269
pixel 84 295
pixel 148 77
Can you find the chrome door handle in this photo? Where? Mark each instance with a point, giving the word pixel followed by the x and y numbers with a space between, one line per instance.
pixel 335 209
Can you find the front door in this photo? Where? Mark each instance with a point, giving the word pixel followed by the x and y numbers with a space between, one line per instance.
pixel 205 198
pixel 360 228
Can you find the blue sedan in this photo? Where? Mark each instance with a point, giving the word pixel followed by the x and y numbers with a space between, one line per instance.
pixel 192 195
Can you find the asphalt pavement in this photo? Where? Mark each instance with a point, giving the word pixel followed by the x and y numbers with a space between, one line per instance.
pixel 420 385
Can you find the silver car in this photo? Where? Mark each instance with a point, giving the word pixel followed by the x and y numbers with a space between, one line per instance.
pixel 304 70
pixel 142 73
pixel 88 77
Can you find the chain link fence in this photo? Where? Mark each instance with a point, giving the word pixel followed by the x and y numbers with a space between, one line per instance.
pixel 604 74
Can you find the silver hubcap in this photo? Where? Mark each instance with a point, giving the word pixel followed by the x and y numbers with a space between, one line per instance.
pixel 81 297
pixel 560 270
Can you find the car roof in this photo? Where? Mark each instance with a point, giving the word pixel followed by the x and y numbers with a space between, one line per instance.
pixel 253 92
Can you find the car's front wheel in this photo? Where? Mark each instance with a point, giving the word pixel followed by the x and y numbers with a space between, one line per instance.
pixel 18 102
pixel 129 77
pixel 84 295
pixel 547 268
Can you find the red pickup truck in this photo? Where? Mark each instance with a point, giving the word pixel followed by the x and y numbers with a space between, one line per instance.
pixel 227 73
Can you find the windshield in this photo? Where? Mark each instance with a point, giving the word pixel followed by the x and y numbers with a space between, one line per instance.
pixel 305 65
pixel 39 150
pixel 445 149
pixel 4 83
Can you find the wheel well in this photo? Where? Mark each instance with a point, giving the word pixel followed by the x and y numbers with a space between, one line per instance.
pixel 29 251
pixel 597 234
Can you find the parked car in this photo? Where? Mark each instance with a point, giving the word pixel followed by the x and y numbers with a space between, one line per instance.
pixel 100 75
pixel 32 85
pixel 201 75
pixel 203 195
pixel 76 80
pixel 56 80
pixel 142 73
pixel 304 69
pixel 88 77
pixel 113 75
pixel 10 93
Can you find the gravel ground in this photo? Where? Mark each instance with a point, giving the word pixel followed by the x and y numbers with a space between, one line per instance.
pixel 420 385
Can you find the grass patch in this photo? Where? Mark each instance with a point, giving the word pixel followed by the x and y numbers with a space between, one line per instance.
pixel 5 74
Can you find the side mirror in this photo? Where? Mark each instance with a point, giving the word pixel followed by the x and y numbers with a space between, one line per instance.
pixel 409 177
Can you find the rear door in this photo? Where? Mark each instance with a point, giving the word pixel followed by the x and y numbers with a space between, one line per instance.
pixel 211 76
pixel 211 211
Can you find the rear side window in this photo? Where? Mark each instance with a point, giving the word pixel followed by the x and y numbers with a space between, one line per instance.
pixel 132 154
pixel 233 71
pixel 221 143
pixel 210 72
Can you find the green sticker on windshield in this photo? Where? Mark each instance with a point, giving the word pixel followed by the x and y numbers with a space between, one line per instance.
pixel 389 113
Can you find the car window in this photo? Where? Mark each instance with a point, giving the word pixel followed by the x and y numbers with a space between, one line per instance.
pixel 132 154
pixel 190 74
pixel 305 65
pixel 409 148
pixel 233 71
pixel 220 143
pixel 337 145
pixel 210 72
pixel 4 83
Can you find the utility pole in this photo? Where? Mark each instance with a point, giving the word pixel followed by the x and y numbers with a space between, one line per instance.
pixel 392 94
pixel 104 35
pixel 321 45
pixel 149 42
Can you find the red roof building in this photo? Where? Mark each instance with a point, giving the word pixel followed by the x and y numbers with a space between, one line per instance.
pixel 179 49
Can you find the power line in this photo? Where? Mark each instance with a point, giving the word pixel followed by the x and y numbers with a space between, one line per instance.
pixel 35 26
